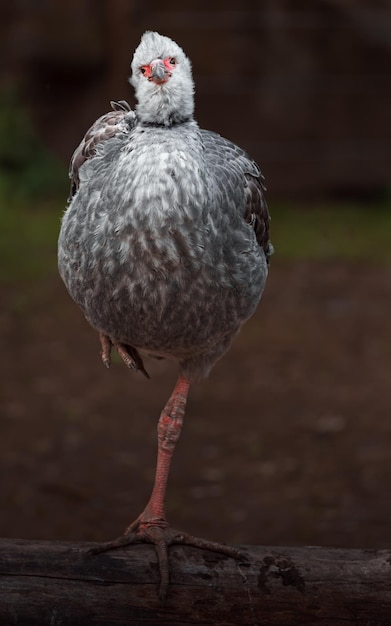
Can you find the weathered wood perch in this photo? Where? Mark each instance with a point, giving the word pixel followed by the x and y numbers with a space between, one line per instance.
pixel 61 584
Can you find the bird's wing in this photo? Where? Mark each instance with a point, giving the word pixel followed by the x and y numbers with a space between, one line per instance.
pixel 118 120
pixel 230 162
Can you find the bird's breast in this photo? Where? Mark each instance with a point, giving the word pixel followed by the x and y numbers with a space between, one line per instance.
pixel 161 175
pixel 158 199
pixel 147 254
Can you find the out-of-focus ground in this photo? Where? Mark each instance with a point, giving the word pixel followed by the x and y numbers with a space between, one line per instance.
pixel 287 442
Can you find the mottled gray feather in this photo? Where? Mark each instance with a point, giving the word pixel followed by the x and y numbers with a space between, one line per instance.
pixel 225 156
pixel 165 243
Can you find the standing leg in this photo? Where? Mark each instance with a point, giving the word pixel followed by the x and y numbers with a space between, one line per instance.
pixel 169 429
pixel 151 526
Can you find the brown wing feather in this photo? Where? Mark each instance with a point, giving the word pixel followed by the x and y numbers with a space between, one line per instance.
pixel 104 128
pixel 257 213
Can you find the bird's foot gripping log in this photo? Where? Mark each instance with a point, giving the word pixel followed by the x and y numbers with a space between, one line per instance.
pixel 151 526
pixel 162 536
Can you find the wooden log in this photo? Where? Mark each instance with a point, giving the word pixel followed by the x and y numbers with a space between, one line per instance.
pixel 61 584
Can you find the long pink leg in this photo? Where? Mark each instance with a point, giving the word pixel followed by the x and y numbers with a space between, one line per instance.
pixel 151 526
pixel 169 430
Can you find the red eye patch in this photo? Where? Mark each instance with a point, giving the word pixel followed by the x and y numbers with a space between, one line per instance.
pixel 169 63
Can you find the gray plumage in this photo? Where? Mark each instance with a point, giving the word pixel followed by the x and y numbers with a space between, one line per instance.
pixel 165 242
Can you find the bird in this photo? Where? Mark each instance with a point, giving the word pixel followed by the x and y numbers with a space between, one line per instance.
pixel 165 247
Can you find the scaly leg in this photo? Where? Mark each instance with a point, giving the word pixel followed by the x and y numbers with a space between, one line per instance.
pixel 151 526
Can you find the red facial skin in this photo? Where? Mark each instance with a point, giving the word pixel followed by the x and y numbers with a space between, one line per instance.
pixel 148 70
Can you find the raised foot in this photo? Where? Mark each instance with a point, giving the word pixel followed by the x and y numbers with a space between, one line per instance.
pixel 128 354
pixel 162 537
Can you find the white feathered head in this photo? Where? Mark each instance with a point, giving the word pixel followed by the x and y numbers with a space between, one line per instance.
pixel 163 82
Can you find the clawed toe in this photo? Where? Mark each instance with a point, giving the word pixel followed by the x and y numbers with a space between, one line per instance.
pixel 106 346
pixel 212 546
pixel 128 354
pixel 153 535
pixel 131 358
pixel 119 542
pixel 162 537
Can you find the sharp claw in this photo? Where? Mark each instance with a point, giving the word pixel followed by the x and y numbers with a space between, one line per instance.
pixel 162 538
pixel 162 554
pixel 128 354
pixel 163 592
pixel 127 359
pixel 244 558
pixel 131 358
pixel 144 371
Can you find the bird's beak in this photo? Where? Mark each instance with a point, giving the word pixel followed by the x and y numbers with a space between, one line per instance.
pixel 159 73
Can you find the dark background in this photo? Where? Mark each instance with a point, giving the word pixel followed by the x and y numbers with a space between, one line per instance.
pixel 304 86
pixel 289 440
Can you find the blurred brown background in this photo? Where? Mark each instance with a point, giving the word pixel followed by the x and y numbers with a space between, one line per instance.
pixel 289 440
pixel 304 86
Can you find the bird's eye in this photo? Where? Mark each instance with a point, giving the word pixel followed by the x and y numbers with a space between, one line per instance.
pixel 142 70
pixel 172 61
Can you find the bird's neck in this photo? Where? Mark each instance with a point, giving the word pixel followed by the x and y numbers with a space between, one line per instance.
pixel 166 106
pixel 167 123
pixel 164 116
